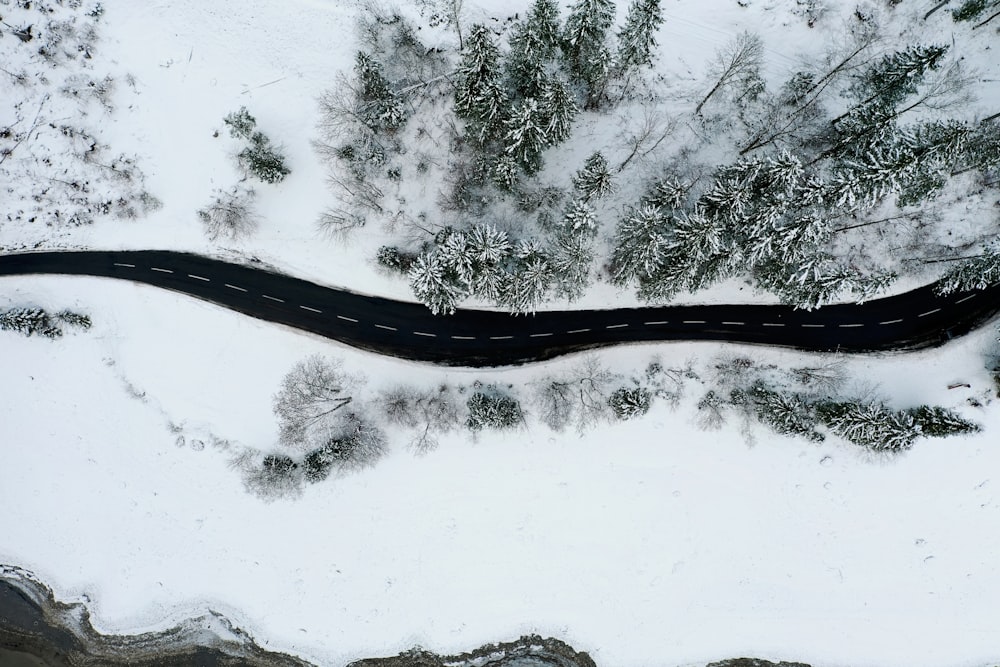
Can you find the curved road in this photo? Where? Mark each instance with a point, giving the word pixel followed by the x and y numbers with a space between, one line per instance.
pixel 914 320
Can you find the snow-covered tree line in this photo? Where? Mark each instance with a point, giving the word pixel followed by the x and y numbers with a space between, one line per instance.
pixel 31 321
pixel 485 263
pixel 770 215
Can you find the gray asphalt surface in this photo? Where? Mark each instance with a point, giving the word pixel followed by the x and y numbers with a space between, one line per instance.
pixel 914 320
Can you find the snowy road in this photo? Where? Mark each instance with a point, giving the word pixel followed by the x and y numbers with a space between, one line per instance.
pixel 913 320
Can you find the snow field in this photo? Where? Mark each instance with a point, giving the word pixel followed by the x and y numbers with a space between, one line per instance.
pixel 646 542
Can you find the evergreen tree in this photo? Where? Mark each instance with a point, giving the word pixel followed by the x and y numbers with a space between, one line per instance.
pixel 640 244
pixel 379 107
pixel 784 413
pixel 558 109
pixel 241 124
pixel 578 220
pixel 897 75
pixel 584 45
pixel 636 40
pixel 870 425
pixel 572 257
pixel 594 180
pixel 532 44
pixel 940 422
pixel 29 321
pixel 262 160
pixel 530 278
pixel 479 95
pixel 505 173
pixel 526 137
pixel 976 273
pixel 434 285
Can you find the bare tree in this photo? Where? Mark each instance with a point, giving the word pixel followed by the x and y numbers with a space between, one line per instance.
pixel 711 414
pixel 311 395
pixel 826 378
pixel 646 135
pixel 579 396
pixel 230 214
pixel 739 61
pixel 431 412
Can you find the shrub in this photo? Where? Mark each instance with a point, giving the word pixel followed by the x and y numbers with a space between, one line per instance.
pixel 630 402
pixel 492 410
pixel 394 259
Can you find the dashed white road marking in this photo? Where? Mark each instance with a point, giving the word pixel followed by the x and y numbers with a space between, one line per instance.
pixel 382 326
pixel 849 326
pixel 312 310
pixel 235 287
pixel 348 319
pixel 578 331
pixel 694 321
pixel 541 335
pixel 772 324
pixel 421 333
pixel 929 312
pixel 191 275
pixel 127 266
pixel 616 326
pixel 734 324
pixel 892 321
pixel 653 324
pixel 500 337
pixel 464 337
pixel 273 298
pixel 814 326
pixel 966 298
pixel 156 268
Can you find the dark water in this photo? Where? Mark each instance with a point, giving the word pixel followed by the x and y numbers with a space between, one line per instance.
pixel 10 658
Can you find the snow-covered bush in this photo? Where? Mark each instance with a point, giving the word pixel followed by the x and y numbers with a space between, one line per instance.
pixel 259 157
pixel 230 215
pixel 30 321
pixel 630 402
pixel 492 409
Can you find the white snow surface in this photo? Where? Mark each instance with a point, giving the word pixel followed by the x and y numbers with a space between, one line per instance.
pixel 650 542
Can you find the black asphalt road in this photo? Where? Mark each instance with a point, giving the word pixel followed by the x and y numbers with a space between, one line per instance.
pixel 914 320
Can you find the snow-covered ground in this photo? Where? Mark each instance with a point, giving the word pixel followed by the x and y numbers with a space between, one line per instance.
pixel 650 542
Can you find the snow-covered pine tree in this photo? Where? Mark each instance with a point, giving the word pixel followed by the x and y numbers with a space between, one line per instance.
pixel 434 285
pixel 505 172
pixel 263 160
pixel 572 257
pixel 29 321
pixel 814 280
pixel 241 124
pixel 578 220
pixel 666 194
pixel 526 136
pixel 480 98
pixel 640 244
pixel 898 75
pixel 787 414
pixel 379 107
pixel 594 179
pixel 870 425
pixel 532 44
pixel 584 45
pixel 975 273
pixel 636 40
pixel 558 109
pixel 914 162
pixel 530 278
pixel 938 422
